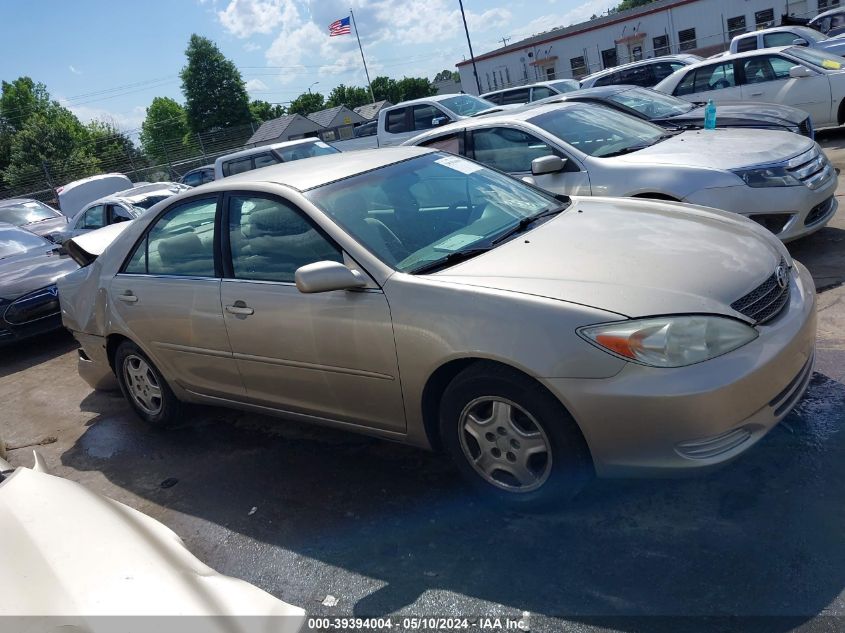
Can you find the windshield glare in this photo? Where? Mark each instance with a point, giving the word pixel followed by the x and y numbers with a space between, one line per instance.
pixel 305 150
pixel 13 242
pixel 419 211
pixel 598 131
pixel 26 212
pixel 650 103
pixel 466 105
pixel 814 57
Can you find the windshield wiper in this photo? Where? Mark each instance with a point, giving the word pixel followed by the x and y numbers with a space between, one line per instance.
pixel 527 221
pixel 449 260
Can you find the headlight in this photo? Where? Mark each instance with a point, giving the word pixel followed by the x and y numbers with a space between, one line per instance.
pixel 673 341
pixel 767 177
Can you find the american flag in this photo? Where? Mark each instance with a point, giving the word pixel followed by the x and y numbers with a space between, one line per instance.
pixel 340 27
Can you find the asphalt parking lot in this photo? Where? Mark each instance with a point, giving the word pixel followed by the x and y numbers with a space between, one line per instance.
pixel 306 513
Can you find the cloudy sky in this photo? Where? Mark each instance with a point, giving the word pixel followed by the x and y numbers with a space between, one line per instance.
pixel 103 58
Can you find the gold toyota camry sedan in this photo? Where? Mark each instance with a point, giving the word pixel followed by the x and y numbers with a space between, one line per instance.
pixel 421 297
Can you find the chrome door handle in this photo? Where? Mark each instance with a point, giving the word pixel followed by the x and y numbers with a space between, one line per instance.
pixel 240 308
pixel 128 297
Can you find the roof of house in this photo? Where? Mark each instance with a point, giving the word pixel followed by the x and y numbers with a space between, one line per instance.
pixel 325 118
pixel 589 25
pixel 274 128
pixel 370 111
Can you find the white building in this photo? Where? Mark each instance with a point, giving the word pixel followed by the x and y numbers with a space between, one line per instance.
pixel 659 28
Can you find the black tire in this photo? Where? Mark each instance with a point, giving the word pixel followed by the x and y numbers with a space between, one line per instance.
pixel 571 465
pixel 170 408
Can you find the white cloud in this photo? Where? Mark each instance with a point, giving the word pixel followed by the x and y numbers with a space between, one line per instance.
pixel 581 13
pixel 251 47
pixel 74 70
pixel 255 85
pixel 129 122
pixel 244 18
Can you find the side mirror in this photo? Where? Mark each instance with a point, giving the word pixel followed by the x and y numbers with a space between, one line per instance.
pixel 439 120
pixel 800 41
pixel 327 276
pixel 798 72
pixel 547 165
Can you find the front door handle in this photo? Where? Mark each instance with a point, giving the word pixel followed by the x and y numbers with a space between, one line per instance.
pixel 240 308
pixel 128 297
pixel 756 94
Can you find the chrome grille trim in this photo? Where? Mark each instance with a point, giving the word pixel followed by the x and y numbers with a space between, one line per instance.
pixel 767 300
pixel 812 168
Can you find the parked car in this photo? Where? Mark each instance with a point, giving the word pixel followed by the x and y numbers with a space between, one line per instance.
pixel 29 268
pixel 72 555
pixel 198 176
pixel 119 207
pixel 32 215
pixel 783 181
pixel 264 155
pixel 75 195
pixel 674 113
pixel 400 122
pixel 787 36
pixel 831 23
pixel 366 129
pixel 645 73
pixel 531 92
pixel 539 339
pixel 796 76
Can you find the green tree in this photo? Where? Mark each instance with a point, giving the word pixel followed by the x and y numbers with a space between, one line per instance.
pixel 447 75
pixel 631 4
pixel 19 100
pixel 415 88
pixel 215 95
pixel 350 96
pixel 306 103
pixel 113 149
pixel 163 129
pixel 263 111
pixel 385 88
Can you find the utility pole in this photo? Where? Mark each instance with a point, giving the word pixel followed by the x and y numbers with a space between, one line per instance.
pixel 469 43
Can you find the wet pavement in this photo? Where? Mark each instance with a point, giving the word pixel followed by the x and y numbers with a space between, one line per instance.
pixel 305 512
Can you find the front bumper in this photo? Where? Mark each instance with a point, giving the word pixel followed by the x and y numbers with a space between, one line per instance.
pixel 10 333
pixel 793 211
pixel 93 362
pixel 649 421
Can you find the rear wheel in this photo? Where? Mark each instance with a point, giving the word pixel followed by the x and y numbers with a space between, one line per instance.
pixel 144 387
pixel 511 439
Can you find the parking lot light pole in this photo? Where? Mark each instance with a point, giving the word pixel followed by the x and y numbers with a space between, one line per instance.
pixel 471 56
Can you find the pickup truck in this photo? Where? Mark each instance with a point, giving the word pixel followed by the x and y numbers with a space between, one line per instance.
pixel 787 36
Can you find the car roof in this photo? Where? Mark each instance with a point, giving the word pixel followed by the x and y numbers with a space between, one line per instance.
pixel 730 56
pixel 779 29
pixel 263 148
pixel 435 98
pixel 642 62
pixel 126 197
pixel 531 85
pixel 308 173
pixel 832 11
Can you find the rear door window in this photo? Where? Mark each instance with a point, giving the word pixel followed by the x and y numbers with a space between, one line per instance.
pixel 515 96
pixel 395 121
pixel 541 92
pixel 264 159
pixel 508 149
pixel 747 44
pixel 237 166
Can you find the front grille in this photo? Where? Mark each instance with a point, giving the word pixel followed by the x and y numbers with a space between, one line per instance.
pixel 33 306
pixel 819 212
pixel 812 168
pixel 767 300
pixel 805 128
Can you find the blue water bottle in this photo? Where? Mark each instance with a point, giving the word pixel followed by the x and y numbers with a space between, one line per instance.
pixel 710 115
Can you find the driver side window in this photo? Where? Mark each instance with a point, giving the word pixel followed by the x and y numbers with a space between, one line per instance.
pixel 508 149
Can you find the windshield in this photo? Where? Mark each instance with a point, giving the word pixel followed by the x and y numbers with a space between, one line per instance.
pixel 650 103
pixel 814 57
pixel 422 210
pixel 466 105
pixel 15 241
pixel 811 35
pixel 26 212
pixel 305 150
pixel 598 131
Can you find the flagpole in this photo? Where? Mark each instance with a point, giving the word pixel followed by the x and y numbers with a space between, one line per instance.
pixel 366 72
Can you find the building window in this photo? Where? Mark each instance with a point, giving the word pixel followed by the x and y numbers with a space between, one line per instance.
pixel 550 73
pixel 579 67
pixel 686 39
pixel 609 58
pixel 736 26
pixel 636 53
pixel 524 72
pixel 495 84
pixel 489 85
pixel 824 5
pixel 508 75
pixel 764 19
pixel 661 45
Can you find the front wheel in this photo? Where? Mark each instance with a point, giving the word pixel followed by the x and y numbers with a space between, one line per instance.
pixel 511 439
pixel 144 387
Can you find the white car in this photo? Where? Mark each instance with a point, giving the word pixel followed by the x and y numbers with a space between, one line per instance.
pixel 266 155
pixel 644 73
pixel 405 120
pixel 779 179
pixel 804 78
pixel 531 92
pixel 75 195
pixel 70 555
pixel 787 36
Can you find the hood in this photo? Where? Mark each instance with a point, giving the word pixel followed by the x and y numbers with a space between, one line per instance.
pixel 73 553
pixel 721 149
pixel 48 226
pixel 744 114
pixel 633 257
pixel 31 270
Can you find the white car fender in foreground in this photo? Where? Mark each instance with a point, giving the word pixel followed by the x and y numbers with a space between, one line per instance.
pixel 69 555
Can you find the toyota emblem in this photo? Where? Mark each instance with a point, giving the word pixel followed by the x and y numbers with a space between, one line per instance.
pixel 781 276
